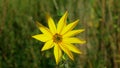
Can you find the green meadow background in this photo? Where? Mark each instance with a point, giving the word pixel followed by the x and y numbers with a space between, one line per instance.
pixel 100 18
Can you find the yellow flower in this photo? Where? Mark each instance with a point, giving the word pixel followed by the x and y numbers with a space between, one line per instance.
pixel 60 37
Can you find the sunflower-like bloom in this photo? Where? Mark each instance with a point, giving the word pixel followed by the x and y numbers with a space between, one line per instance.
pixel 60 36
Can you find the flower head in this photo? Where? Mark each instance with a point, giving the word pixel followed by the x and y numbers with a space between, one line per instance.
pixel 60 36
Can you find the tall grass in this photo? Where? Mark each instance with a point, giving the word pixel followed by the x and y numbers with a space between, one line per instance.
pixel 100 18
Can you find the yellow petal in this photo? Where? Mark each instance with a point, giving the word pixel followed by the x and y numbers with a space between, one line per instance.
pixel 42 37
pixel 73 33
pixel 57 53
pixel 73 48
pixel 51 24
pixel 43 29
pixel 67 51
pixel 48 45
pixel 73 40
pixel 69 27
pixel 62 22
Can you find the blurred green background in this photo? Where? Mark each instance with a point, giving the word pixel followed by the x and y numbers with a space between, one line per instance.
pixel 100 18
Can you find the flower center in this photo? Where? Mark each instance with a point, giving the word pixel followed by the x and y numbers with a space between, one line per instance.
pixel 57 38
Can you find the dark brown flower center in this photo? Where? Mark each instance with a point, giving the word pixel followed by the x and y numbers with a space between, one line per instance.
pixel 57 38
